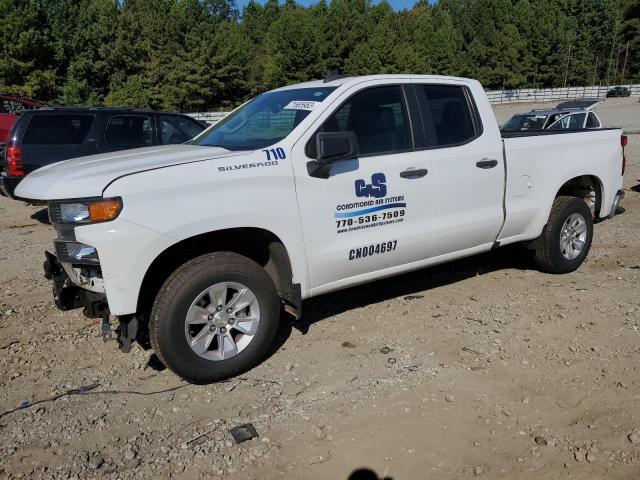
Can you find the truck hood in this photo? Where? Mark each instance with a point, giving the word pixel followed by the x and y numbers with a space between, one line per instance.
pixel 89 176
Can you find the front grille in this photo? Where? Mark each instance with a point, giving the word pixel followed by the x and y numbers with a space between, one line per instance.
pixel 66 232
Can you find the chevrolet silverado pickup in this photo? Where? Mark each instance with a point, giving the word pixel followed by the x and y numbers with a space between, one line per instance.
pixel 304 190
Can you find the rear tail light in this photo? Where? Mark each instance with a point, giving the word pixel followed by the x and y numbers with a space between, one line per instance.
pixel 14 162
pixel 623 142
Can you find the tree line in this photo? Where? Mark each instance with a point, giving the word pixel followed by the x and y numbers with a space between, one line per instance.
pixel 192 55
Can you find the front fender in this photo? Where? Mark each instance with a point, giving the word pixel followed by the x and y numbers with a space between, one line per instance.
pixel 169 205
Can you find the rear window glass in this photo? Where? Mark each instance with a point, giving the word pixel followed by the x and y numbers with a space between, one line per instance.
pixel 447 115
pixel 132 130
pixel 57 129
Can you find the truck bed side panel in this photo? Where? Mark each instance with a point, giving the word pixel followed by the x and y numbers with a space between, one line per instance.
pixel 538 165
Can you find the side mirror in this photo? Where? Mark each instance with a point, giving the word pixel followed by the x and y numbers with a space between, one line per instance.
pixel 334 146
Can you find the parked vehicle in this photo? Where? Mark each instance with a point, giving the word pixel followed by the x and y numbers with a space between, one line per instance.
pixel 50 135
pixel 10 107
pixel 304 190
pixel 569 115
pixel 619 92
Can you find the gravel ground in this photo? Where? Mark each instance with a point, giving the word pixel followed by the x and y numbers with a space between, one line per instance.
pixel 479 368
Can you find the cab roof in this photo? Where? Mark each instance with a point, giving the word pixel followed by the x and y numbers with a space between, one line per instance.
pixel 337 81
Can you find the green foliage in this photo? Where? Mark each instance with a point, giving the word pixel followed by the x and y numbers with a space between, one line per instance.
pixel 205 54
pixel 25 49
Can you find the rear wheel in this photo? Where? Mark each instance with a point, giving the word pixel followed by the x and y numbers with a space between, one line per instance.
pixel 215 317
pixel 566 238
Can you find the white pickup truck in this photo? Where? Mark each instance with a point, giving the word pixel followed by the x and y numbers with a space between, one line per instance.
pixel 304 190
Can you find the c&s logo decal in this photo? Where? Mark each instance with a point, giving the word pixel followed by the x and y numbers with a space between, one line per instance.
pixel 381 210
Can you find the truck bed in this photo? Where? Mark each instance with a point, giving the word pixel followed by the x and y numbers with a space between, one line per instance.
pixel 537 133
pixel 534 164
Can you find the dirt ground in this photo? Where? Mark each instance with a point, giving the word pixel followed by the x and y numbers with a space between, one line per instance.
pixel 483 367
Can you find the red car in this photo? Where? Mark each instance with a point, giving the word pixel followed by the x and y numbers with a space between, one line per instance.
pixel 10 107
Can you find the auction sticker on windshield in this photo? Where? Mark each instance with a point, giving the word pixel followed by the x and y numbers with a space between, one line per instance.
pixel 301 105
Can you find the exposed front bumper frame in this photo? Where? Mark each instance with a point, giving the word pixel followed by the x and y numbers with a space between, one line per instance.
pixel 68 296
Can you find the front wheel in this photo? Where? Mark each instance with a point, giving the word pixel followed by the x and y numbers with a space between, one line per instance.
pixel 215 317
pixel 566 238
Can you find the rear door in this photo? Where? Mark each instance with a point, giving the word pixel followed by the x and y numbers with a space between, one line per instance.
pixel 468 170
pixel 51 137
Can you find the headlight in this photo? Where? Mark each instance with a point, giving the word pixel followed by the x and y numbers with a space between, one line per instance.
pixel 84 211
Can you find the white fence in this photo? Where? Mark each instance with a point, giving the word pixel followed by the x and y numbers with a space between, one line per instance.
pixel 547 94
pixel 524 95
pixel 209 117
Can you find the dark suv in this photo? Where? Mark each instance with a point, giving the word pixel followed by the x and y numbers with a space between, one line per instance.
pixel 618 92
pixel 50 135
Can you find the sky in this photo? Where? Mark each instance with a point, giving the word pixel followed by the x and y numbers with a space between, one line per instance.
pixel 396 4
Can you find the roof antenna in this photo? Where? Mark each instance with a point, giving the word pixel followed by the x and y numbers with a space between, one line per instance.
pixel 333 75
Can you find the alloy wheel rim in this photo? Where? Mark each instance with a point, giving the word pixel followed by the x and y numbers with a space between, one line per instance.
pixel 222 321
pixel 573 236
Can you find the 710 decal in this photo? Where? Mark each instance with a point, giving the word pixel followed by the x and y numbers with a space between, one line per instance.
pixel 275 153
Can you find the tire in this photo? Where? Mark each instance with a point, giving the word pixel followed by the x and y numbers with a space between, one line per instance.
pixel 551 257
pixel 171 335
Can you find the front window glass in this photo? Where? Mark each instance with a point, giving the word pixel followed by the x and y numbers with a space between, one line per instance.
pixel 265 120
pixel 378 118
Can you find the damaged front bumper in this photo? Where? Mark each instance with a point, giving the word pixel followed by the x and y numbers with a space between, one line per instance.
pixel 79 287
pixel 68 295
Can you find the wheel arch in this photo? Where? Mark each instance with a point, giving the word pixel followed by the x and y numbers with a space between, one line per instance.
pixel 260 245
pixel 588 187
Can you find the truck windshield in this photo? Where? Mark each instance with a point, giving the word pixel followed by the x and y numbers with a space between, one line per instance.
pixel 524 122
pixel 265 120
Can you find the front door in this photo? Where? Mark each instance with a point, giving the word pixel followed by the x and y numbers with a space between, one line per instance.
pixel 371 213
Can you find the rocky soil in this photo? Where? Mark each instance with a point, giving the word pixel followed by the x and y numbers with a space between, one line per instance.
pixel 480 368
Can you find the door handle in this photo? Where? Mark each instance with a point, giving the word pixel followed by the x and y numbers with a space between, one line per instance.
pixel 486 163
pixel 414 173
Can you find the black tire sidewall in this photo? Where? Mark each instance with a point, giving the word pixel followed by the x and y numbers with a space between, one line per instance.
pixel 171 339
pixel 563 264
